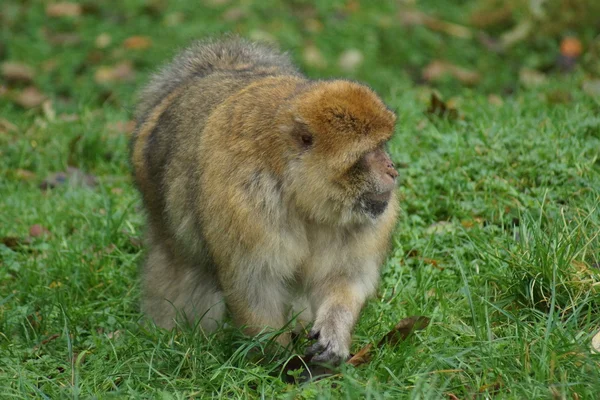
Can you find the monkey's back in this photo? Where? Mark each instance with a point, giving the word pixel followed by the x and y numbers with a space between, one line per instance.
pixel 171 118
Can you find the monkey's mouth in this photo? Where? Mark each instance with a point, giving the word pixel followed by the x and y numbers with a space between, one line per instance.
pixel 381 197
pixel 375 203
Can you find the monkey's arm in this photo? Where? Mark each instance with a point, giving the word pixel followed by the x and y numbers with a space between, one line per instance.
pixel 337 309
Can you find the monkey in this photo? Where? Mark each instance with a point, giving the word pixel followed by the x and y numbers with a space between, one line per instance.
pixel 267 194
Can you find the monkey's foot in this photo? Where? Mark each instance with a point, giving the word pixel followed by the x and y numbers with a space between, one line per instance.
pixel 328 349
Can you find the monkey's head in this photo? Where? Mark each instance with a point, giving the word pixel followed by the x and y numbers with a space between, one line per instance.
pixel 340 172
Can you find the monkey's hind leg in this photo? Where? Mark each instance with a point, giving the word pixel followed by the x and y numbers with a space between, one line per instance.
pixel 175 290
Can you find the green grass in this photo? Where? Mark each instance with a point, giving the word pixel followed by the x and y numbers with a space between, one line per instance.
pixel 498 241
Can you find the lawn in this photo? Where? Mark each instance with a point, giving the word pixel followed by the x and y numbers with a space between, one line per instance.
pixel 498 145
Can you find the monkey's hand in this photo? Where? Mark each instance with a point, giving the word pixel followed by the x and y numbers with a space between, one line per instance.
pixel 332 333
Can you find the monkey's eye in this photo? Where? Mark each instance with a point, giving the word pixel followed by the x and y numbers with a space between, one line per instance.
pixel 307 140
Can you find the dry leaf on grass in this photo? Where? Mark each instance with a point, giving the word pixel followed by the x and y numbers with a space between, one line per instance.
pixel 17 72
pixel 30 97
pixel 350 60
pixel 571 47
pixel 121 72
pixel 592 87
pixel 103 40
pixel 7 126
pixel 174 18
pixel 531 77
pixel 485 18
pixel 517 34
pixel 46 341
pixel 299 369
pixel 313 57
pixel 495 100
pixel 234 14
pixel 438 108
pixel 596 343
pixel 437 70
pixel 126 127
pixel 63 9
pixel 63 39
pixel 137 43
pixel 414 17
pixel 401 331
pixel 24 174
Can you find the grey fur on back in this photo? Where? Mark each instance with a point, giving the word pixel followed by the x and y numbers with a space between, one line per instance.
pixel 207 56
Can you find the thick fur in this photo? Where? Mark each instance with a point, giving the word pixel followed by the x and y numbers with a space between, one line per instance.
pixel 250 174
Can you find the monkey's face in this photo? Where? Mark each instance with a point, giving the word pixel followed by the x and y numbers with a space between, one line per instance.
pixel 344 187
pixel 340 171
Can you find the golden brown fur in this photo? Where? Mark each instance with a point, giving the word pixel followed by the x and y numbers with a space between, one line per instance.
pixel 266 192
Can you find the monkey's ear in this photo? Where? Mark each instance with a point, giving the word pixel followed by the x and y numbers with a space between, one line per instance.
pixel 300 133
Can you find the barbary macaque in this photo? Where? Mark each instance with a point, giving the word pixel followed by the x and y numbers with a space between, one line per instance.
pixel 267 194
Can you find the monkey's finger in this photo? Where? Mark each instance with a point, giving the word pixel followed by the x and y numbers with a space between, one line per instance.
pixel 314 349
pixel 327 357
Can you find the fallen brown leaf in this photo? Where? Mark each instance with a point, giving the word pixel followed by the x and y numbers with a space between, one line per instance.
pixel 50 65
pixel 137 43
pixel 591 87
pixel 174 18
pixel 114 335
pixel 313 25
pixel 17 72
pixel 122 126
pixel 234 14
pixel 63 39
pixel 404 328
pixel 438 69
pixel 414 17
pixel 596 342
pixel 24 174
pixel 571 47
pixel 121 72
pixel 492 44
pixel 350 60
pixel 313 57
pixel 68 117
pixel 46 341
pixel 519 33
pixel 439 108
pixel 103 40
pixel 362 356
pixel 7 126
pixel 63 9
pixel 30 97
pixel 558 96
pixel 48 110
pixel 401 331
pixel 531 77
pixel 485 18
pixel 495 100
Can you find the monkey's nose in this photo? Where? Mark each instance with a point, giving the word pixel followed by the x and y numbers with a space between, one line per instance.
pixel 392 171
